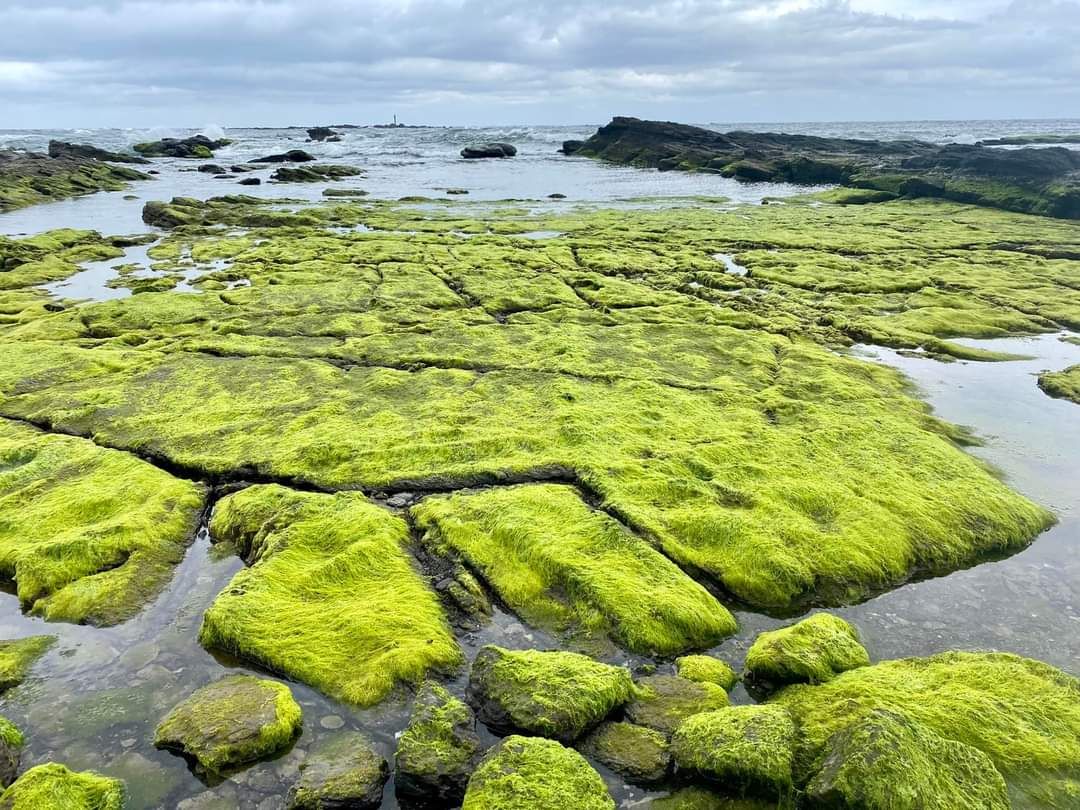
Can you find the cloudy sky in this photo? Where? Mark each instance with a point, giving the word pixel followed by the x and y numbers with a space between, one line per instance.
pixel 148 63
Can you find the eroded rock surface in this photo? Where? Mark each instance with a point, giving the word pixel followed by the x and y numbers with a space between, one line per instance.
pixel 343 772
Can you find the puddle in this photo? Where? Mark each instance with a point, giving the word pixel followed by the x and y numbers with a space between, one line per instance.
pixel 730 265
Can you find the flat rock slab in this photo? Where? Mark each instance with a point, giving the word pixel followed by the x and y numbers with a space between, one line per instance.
pixel 343 772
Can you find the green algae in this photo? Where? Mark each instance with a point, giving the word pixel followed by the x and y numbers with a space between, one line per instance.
pixel 230 722
pixel 706 669
pixel 638 753
pixel 439 749
pixel 361 620
pixel 54 787
pixel 1022 714
pixel 33 178
pixel 18 656
pixel 549 694
pixel 87 534
pixel 561 565
pixel 699 798
pixel 344 771
pixel 663 702
pixel 529 773
pixel 1064 384
pixel 811 651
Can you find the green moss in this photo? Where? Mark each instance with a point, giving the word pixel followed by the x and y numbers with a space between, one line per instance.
pixel 439 749
pixel 706 669
pixel 698 798
pixel 550 694
pixel 18 656
pixel 232 721
pixel 88 535
pixel 562 566
pixel 745 748
pixel 361 620
pixel 528 773
pixel 638 753
pixel 54 787
pixel 1065 384
pixel 663 702
pixel 33 179
pixel 887 762
pixel 344 771
pixel 811 651
pixel 1024 715
pixel 10 734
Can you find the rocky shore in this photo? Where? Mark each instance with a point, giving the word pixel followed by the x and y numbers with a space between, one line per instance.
pixel 30 178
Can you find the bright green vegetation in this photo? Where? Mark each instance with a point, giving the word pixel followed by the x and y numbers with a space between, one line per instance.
pixel 361 620
pixel 529 773
pixel 35 178
pixel 663 702
pixel 638 753
pixel 438 750
pixel 887 762
pixel 1065 384
pixel 550 694
pixel 10 734
pixel 232 721
pixel 17 656
pixel 706 669
pixel 748 749
pixel 344 771
pixel 564 566
pixel 88 535
pixel 54 787
pixel 698 798
pixel 1024 715
pixel 810 651
pixel 50 256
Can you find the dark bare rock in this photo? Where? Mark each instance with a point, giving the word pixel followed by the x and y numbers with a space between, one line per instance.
pixel 59 149
pixel 321 134
pixel 488 150
pixel 571 147
pixel 240 168
pixel 250 181
pixel 343 773
pixel 197 146
pixel 211 168
pixel 292 156
pixel 316 173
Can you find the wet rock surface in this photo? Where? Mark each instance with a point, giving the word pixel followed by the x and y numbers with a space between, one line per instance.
pixel 29 178
pixel 63 149
pixel 663 702
pixel 344 772
pixel 488 150
pixel 197 146
pixel 638 753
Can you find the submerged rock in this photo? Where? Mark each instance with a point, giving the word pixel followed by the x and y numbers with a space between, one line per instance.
pixel 345 771
pixel 663 702
pixel 54 787
pixel 529 773
pixel 748 749
pixel 233 721
pixel 438 750
pixel 488 150
pixel 811 651
pixel 16 658
pixel 706 669
pixel 638 753
pixel 885 761
pixel 58 149
pixel 197 146
pixel 292 156
pixel 551 694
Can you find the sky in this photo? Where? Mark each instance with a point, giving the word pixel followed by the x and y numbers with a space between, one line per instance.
pixel 147 63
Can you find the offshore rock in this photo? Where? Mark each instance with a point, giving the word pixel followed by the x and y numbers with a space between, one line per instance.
pixel 58 149
pixel 322 134
pixel 488 150
pixel 197 146
pixel 292 156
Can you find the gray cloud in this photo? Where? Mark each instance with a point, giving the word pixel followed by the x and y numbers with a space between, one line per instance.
pixel 136 62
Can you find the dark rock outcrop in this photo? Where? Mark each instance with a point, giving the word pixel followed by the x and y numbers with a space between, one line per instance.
pixel 321 134
pixel 292 156
pixel 59 149
pixel 488 150
pixel 313 174
pixel 197 146
pixel 570 147
pixel 250 181
pixel 211 168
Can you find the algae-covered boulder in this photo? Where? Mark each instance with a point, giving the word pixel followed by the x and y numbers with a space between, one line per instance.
pixel 529 773
pixel 551 694
pixel 885 761
pixel 54 787
pixel 343 772
pixel 11 743
pixel 663 702
pixel 230 722
pixel 749 748
pixel 1024 715
pixel 439 749
pixel 638 753
pixel 706 669
pixel 811 651
pixel 696 797
pixel 17 656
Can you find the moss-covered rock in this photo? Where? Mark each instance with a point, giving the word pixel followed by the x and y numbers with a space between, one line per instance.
pixel 232 721
pixel 361 620
pixel 748 749
pixel 54 787
pixel 1024 715
pixel 811 651
pixel 699 798
pixel 529 773
pixel 439 749
pixel 706 669
pixel 344 771
pixel 885 761
pixel 550 694
pixel 638 753
pixel 17 656
pixel 11 743
pixel 1064 384
pixel 663 702
pixel 29 178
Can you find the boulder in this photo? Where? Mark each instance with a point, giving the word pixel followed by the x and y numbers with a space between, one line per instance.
pixel 54 787
pixel 696 797
pixel 17 656
pixel 439 749
pixel 665 701
pixel 313 174
pixel 885 761
pixel 748 748
pixel 488 150
pixel 211 168
pixel 292 156
pixel 569 147
pixel 233 721
pixel 11 743
pixel 706 669
pixel 250 181
pixel 457 191
pixel 551 694
pixel 812 651
pixel 345 771
pixel 638 753
pixel 86 151
pixel 529 773
pixel 197 146
pixel 321 134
